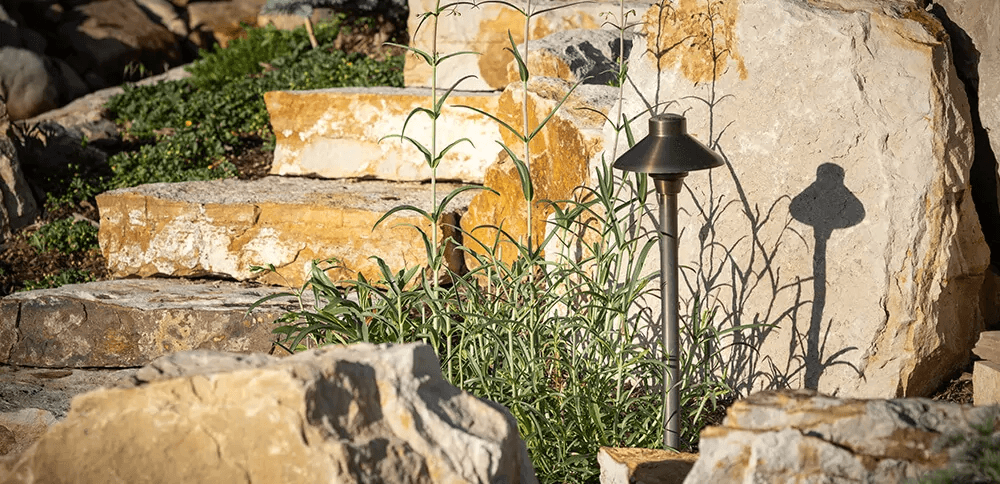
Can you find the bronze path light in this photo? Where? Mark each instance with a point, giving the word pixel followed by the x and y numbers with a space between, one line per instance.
pixel 667 154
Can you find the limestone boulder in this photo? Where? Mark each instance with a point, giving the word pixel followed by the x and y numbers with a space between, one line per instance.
pixel 107 36
pixel 359 413
pixel 842 223
pixel 484 30
pixel 560 157
pixel 589 56
pixel 128 322
pixel 223 227
pixel 801 436
pixel 342 133
pixel 17 203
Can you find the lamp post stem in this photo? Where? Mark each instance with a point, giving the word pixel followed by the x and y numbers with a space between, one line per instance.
pixel 667 189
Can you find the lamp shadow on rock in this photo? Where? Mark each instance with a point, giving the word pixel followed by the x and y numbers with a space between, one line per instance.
pixel 825 205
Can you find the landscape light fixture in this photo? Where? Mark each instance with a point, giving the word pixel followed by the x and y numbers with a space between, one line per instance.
pixel 667 154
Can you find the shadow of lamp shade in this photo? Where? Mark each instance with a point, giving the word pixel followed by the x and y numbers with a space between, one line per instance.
pixel 825 205
pixel 667 154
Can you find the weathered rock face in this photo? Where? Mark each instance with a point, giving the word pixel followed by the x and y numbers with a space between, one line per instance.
pixel 338 133
pixel 347 414
pixel 17 204
pixel 560 156
pixel 224 227
pixel 485 30
pixel 806 437
pixel 128 323
pixel 974 31
pixel 32 399
pixel 579 55
pixel 842 219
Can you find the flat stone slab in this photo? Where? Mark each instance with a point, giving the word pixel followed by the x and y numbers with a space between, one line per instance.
pixel 128 323
pixel 341 133
pixel 221 228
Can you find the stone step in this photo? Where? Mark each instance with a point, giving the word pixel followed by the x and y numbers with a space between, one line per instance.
pixel 338 133
pixel 129 322
pixel 221 228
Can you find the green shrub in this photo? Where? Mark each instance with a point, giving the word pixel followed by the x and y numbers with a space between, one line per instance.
pixel 65 236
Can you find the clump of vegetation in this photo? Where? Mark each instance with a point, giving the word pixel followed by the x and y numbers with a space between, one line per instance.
pixel 554 335
pixel 61 278
pixel 66 236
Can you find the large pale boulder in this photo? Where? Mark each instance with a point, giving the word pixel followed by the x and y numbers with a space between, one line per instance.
pixel 806 437
pixel 129 322
pixel 223 227
pixel 338 133
pixel 360 413
pixel 560 156
pixel 484 29
pixel 842 221
pixel 17 204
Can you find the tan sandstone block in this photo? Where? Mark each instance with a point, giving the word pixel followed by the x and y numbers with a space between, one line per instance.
pixel 484 29
pixel 560 158
pixel 223 227
pixel 643 466
pixel 338 133
pixel 986 383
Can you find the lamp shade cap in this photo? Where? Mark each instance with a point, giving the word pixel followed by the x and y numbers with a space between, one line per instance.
pixel 668 149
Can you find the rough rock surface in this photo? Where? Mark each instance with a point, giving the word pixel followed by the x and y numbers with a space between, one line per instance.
pixel 361 413
pixel 484 30
pixel 129 322
pixel 224 227
pixel 843 216
pixel 978 42
pixel 17 204
pixel 646 466
pixel 339 133
pixel 802 436
pixel 32 399
pixel 578 55
pixel 560 157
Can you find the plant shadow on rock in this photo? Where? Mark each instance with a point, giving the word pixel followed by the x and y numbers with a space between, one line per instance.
pixel 734 274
